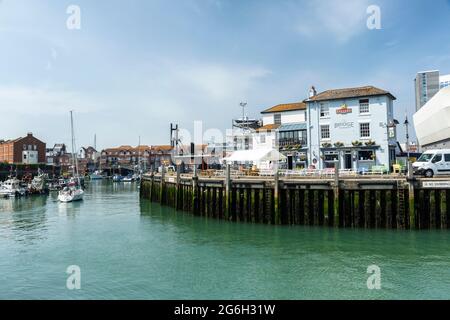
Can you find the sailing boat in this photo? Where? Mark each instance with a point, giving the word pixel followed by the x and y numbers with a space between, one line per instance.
pixel 73 191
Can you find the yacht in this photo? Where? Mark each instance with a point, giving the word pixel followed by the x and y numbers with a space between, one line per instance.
pixel 12 188
pixel 73 191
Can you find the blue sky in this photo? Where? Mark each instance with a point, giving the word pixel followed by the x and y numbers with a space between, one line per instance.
pixel 135 66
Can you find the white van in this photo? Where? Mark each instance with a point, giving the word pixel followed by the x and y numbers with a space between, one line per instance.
pixel 433 162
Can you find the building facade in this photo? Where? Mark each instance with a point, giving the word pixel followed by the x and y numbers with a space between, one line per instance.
pixel 432 122
pixel 352 128
pixel 427 84
pixel 444 81
pixel 284 128
pixel 25 150
pixel 145 156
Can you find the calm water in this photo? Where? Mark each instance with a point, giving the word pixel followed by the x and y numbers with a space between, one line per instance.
pixel 132 249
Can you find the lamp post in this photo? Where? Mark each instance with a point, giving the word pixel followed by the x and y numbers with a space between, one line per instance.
pixel 406 123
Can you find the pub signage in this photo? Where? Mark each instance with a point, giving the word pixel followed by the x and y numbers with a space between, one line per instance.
pixel 344 109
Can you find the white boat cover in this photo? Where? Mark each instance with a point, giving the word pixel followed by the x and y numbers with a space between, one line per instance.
pixel 256 155
pixel 432 121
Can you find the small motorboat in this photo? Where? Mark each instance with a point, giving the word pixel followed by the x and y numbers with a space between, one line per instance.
pixel 12 188
pixel 128 178
pixel 97 175
pixel 117 178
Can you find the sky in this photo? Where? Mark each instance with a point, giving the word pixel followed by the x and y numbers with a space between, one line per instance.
pixel 135 66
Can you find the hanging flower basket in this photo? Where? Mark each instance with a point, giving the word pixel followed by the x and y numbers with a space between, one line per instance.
pixel 370 143
pixel 326 145
pixel 339 144
pixel 356 143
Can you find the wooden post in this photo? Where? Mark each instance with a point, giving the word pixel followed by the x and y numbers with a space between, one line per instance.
pixel 161 191
pixel 275 196
pixel 227 192
pixel 194 201
pixel 177 189
pixel 152 181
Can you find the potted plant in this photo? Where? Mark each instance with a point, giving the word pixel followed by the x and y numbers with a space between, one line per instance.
pixel 339 144
pixel 326 145
pixel 356 143
pixel 370 143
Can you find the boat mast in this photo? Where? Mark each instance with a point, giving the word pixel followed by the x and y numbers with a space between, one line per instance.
pixel 139 155
pixel 74 156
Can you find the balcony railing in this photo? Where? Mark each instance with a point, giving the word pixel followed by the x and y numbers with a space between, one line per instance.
pixel 292 142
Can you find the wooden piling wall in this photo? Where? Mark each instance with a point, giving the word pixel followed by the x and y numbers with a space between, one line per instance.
pixel 365 203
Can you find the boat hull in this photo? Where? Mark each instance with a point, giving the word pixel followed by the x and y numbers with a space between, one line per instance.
pixel 66 197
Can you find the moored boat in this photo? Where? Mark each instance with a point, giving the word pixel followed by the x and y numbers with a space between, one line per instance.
pixel 73 191
pixel 12 188
pixel 117 178
pixel 97 175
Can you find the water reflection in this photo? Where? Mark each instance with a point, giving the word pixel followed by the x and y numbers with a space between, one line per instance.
pixel 25 218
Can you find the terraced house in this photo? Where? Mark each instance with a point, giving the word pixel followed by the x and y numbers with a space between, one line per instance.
pixel 353 128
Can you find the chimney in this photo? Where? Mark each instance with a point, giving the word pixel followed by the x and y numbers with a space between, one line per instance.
pixel 29 134
pixel 312 92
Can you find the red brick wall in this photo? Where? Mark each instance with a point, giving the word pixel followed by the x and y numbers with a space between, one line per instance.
pixel 6 152
pixel 29 140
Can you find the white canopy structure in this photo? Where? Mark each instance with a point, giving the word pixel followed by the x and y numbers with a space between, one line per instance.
pixel 432 121
pixel 255 156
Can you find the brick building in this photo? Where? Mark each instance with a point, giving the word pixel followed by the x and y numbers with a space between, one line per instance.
pixel 127 156
pixel 26 150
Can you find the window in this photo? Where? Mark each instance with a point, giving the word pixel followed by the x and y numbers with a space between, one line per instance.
pixel 365 155
pixel 277 118
pixel 437 158
pixel 325 132
pixel 364 106
pixel 263 138
pixel 364 130
pixel 324 110
pixel 447 157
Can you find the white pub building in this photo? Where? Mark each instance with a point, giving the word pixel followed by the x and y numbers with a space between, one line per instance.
pixel 353 128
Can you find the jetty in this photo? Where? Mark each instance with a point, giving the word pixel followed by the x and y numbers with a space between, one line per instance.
pixel 347 201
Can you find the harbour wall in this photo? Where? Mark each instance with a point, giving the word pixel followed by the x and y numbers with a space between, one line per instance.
pixel 383 203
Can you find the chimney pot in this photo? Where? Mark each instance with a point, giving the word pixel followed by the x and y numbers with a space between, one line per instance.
pixel 312 92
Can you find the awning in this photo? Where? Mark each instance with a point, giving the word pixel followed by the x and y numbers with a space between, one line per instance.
pixel 255 155
pixel 292 127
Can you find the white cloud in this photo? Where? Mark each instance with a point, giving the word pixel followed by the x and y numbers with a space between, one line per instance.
pixel 40 101
pixel 341 19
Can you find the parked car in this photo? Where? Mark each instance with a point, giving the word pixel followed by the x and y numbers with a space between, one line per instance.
pixel 433 162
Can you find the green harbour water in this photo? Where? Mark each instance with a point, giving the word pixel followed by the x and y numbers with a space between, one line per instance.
pixel 129 248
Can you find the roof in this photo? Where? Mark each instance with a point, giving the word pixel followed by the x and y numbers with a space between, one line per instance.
pixel 336 94
pixel 162 148
pixel 268 127
pixel 286 107
pixel 292 127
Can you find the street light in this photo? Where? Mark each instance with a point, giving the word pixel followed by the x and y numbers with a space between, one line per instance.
pixel 406 123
